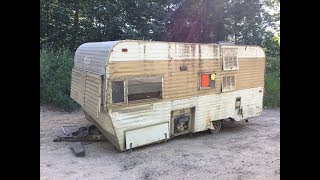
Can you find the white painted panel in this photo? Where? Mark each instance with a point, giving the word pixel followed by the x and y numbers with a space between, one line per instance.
pixel 160 50
pixel 248 51
pixel 142 136
pixel 212 107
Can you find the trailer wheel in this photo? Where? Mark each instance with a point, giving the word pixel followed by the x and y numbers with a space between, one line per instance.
pixel 217 126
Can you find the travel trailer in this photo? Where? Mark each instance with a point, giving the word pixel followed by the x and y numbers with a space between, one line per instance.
pixel 142 92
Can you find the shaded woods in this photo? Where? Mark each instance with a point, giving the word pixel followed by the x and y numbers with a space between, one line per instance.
pixel 66 24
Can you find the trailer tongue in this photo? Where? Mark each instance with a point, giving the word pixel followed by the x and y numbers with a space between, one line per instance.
pixel 83 134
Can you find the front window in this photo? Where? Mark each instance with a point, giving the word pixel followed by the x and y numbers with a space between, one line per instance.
pixel 133 89
pixel 117 91
pixel 144 88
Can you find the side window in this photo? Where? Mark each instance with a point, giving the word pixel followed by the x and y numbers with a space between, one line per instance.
pixel 228 83
pixel 207 81
pixel 230 59
pixel 144 88
pixel 117 91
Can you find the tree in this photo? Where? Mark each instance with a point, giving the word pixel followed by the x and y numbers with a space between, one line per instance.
pixel 217 20
pixel 69 23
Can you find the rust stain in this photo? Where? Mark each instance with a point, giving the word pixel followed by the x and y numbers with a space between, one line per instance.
pixel 193 50
pixel 200 60
pixel 169 52
pixel 208 118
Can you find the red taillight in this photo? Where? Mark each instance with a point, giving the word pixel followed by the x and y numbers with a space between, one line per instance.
pixel 204 80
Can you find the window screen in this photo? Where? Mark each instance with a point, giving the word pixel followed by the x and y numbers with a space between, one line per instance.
pixel 207 81
pixel 117 91
pixel 230 59
pixel 228 83
pixel 144 88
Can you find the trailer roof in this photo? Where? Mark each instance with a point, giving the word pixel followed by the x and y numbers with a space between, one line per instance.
pixel 94 56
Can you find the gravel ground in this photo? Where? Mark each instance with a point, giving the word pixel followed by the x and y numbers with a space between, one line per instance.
pixel 239 151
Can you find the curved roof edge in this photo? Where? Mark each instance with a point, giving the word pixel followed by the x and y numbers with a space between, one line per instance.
pixel 93 56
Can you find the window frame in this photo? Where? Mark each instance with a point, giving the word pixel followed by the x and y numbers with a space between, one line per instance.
pixel 125 81
pixel 226 55
pixel 146 99
pixel 223 88
pixel 209 87
pixel 111 91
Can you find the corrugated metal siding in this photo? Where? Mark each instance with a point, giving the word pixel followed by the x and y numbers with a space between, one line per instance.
pixel 149 58
pixel 93 56
pixel 77 86
pixel 177 84
pixel 92 95
pixel 86 91
pixel 250 74
pixel 184 84
pixel 207 108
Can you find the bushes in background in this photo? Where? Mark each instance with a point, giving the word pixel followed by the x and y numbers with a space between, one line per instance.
pixel 271 45
pixel 55 78
pixel 272 90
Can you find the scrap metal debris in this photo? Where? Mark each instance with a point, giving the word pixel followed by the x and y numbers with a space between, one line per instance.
pixel 76 134
pixel 78 149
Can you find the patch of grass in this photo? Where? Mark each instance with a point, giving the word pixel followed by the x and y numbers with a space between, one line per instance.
pixel 272 90
pixel 55 78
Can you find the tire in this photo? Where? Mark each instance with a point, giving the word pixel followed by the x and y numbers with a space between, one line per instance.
pixel 217 126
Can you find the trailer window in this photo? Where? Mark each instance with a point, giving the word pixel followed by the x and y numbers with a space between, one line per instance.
pixel 228 83
pixel 207 81
pixel 117 91
pixel 144 88
pixel 230 59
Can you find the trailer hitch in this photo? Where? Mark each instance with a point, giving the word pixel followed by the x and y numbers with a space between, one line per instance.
pixel 76 133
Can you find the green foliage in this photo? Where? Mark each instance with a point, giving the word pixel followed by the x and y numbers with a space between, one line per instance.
pixel 66 24
pixel 212 21
pixel 55 78
pixel 272 90
pixel 70 23
pixel 271 46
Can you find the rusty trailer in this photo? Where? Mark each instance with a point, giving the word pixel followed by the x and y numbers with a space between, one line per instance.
pixel 142 92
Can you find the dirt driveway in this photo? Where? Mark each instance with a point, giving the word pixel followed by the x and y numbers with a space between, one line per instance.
pixel 240 151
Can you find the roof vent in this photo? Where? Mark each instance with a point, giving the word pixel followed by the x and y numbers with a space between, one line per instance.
pixel 226 43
